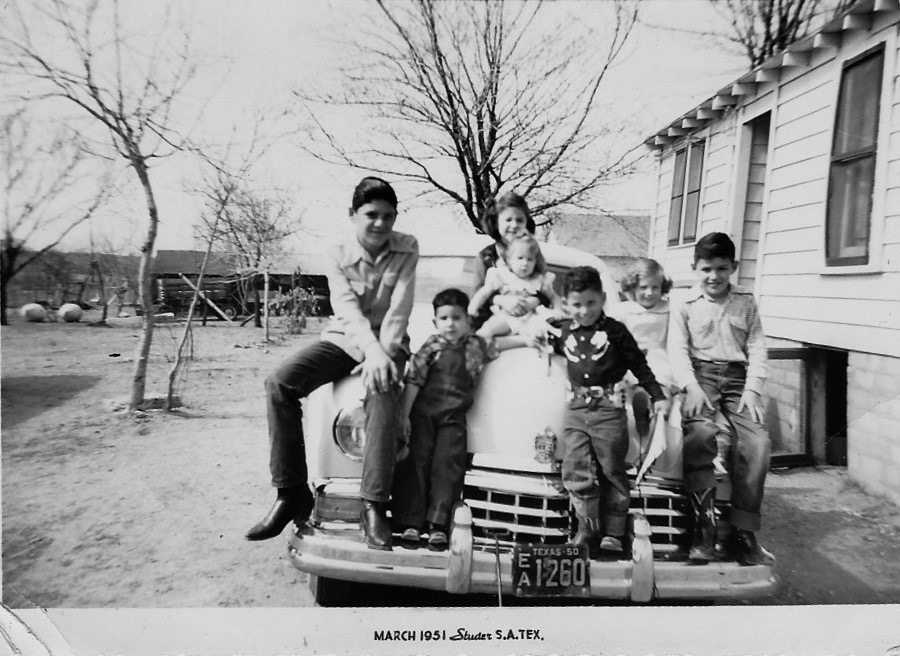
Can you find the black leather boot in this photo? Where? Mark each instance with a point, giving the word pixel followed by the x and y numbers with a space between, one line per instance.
pixel 375 525
pixel 586 534
pixel 703 545
pixel 293 503
pixel 742 545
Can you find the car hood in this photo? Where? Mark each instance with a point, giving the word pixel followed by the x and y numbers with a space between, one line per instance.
pixel 520 396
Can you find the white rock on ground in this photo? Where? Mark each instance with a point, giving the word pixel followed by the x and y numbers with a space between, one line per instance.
pixel 71 313
pixel 33 312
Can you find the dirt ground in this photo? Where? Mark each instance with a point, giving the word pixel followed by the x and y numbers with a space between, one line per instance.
pixel 103 509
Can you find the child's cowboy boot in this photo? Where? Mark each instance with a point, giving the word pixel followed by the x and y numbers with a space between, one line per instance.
pixel 703 545
pixel 746 550
pixel 587 531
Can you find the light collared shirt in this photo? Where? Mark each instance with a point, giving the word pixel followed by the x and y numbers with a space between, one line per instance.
pixel 371 298
pixel 718 331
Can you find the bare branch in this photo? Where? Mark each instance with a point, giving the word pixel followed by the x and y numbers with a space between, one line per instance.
pixel 472 98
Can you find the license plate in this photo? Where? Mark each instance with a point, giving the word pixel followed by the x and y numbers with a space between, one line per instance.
pixel 551 570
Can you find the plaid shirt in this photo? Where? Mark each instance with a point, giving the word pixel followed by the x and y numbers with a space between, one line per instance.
pixel 477 353
pixel 727 331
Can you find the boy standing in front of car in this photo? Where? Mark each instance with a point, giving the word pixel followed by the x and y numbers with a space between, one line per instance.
pixel 599 351
pixel 439 391
pixel 372 280
pixel 718 355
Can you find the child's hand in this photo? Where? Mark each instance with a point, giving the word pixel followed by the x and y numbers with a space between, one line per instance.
pixel 513 305
pixel 378 371
pixel 753 402
pixel 696 401
pixel 662 408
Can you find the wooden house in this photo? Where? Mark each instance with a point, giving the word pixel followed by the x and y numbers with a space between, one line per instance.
pixel 799 161
pixel 617 239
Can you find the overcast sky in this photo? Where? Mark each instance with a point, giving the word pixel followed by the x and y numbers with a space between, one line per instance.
pixel 259 50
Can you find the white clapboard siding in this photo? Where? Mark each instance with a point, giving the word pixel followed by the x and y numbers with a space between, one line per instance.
pixel 800 298
pixel 813 285
pixel 813 91
pixel 753 203
pixel 892 231
pixel 800 149
pixel 802 238
pixel 797 195
pixel 895 113
pixel 867 339
pixel 799 216
pixel 811 168
pixel 892 201
pixel 850 311
pixel 800 262
pixel 816 121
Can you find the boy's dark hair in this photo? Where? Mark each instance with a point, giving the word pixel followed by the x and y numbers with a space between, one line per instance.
pixel 453 297
pixel 581 279
pixel 494 206
pixel 371 189
pixel 713 245
pixel 644 267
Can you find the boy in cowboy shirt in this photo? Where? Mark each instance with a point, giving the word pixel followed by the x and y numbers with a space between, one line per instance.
pixel 599 351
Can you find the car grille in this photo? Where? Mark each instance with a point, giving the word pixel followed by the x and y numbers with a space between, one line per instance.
pixel 508 508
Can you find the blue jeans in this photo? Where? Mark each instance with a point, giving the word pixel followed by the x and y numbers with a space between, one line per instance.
pixel 300 374
pixel 723 383
pixel 593 469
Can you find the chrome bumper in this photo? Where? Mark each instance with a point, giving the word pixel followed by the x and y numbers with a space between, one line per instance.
pixel 338 551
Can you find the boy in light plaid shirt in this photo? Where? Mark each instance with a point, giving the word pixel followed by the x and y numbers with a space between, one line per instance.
pixel 718 355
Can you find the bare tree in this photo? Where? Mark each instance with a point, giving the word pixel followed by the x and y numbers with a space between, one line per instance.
pixel 763 28
pixel 219 189
pixel 760 29
pixel 82 54
pixel 253 228
pixel 44 194
pixel 470 98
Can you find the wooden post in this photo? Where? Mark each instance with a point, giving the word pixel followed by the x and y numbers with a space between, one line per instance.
pixel 205 298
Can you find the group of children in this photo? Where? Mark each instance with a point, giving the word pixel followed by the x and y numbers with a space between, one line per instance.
pixel 711 349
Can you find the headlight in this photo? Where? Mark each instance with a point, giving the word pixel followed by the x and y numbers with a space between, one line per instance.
pixel 349 432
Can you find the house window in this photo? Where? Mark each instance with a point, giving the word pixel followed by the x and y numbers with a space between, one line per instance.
pixel 686 184
pixel 851 178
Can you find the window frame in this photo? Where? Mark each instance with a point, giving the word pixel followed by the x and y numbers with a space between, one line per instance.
pixel 681 195
pixel 866 261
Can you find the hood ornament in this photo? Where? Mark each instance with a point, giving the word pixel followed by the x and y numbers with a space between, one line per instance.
pixel 545 446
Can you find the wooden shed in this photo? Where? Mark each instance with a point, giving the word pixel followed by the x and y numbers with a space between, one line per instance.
pixel 799 161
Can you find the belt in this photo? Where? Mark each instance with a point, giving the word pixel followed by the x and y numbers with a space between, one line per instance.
pixel 593 394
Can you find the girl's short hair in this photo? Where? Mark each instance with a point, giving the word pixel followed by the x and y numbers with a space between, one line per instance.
pixel 494 206
pixel 371 189
pixel 531 245
pixel 644 267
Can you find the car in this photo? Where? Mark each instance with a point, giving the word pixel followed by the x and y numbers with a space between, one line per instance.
pixel 514 516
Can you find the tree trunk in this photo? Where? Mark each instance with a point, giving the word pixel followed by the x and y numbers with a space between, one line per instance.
pixel 3 302
pixel 139 379
pixel 257 314
pixel 266 303
pixel 7 271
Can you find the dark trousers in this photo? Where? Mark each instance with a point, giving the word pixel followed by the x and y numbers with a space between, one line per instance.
pixel 430 480
pixel 300 374
pixel 593 469
pixel 723 383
